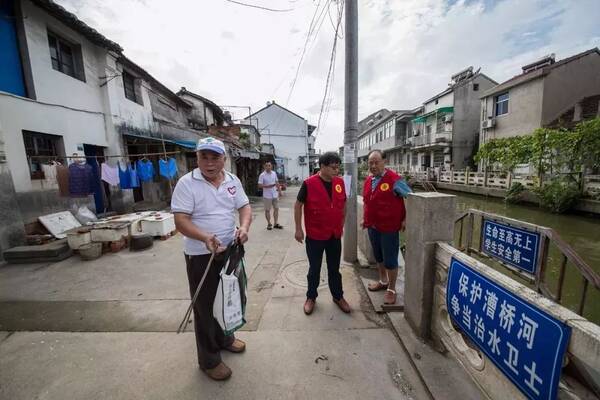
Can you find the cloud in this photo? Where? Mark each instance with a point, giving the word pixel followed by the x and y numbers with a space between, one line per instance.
pixel 407 49
pixel 227 35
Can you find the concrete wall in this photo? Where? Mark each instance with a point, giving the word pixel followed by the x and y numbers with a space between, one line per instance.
pixel 199 110
pixel 53 86
pixel 430 229
pixel 583 205
pixel 524 111
pixel 18 114
pixel 12 231
pixel 123 110
pixel 289 134
pixel 568 84
pixel 583 351
pixel 446 100
pixel 465 124
pixel 364 245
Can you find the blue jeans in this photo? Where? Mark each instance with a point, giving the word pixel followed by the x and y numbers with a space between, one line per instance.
pixel 333 250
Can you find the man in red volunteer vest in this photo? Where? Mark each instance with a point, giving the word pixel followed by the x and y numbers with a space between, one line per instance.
pixel 322 197
pixel 384 216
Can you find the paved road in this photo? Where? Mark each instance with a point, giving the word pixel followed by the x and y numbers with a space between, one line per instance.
pixel 105 329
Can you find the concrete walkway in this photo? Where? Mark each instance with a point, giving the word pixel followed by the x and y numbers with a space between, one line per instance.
pixel 105 329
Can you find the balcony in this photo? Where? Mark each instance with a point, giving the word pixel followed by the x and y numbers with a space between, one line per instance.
pixel 431 140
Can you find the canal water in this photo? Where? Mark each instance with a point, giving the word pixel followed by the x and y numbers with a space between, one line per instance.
pixel 581 232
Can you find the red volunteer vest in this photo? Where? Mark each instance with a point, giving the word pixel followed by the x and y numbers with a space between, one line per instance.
pixel 383 210
pixel 324 216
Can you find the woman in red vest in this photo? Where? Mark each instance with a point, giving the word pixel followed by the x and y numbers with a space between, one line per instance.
pixel 384 216
pixel 323 198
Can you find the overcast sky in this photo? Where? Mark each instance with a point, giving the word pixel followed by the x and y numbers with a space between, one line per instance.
pixel 408 49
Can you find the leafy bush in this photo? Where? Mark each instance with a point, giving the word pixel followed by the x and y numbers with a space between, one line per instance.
pixel 558 196
pixel 514 194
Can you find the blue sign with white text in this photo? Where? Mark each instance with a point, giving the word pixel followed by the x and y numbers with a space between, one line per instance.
pixel 513 246
pixel 524 342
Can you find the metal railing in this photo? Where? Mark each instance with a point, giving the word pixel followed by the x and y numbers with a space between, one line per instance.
pixel 430 139
pixel 472 219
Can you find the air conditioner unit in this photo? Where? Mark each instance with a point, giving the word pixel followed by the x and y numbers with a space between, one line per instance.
pixel 488 123
pixel 448 118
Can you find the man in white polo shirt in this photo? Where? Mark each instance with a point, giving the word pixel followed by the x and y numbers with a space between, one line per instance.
pixel 205 202
pixel 269 183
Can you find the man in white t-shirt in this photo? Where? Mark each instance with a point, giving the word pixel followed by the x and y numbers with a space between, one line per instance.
pixel 205 202
pixel 269 183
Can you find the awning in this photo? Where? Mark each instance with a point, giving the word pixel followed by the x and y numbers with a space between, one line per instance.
pixel 441 110
pixel 188 144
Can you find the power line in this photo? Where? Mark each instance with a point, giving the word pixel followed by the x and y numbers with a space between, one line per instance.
pixel 313 24
pixel 329 80
pixel 260 7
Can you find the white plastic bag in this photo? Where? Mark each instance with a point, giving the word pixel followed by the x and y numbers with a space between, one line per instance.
pixel 85 215
pixel 227 308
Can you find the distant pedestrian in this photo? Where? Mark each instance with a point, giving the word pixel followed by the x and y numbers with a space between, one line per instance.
pixel 322 197
pixel 205 203
pixel 384 217
pixel 271 191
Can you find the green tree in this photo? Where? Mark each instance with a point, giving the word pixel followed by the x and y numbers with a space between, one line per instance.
pixel 563 154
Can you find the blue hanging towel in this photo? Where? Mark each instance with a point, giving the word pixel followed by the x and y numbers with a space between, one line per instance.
pixel 124 177
pixel 168 168
pixel 134 181
pixel 145 170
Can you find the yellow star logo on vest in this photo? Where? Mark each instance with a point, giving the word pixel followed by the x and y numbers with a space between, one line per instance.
pixel 338 188
pixel 385 186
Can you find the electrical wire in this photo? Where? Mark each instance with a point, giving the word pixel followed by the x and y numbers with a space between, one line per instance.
pixel 313 23
pixel 260 7
pixel 330 72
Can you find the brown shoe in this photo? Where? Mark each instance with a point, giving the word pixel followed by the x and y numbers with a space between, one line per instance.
pixel 237 346
pixel 219 373
pixel 343 305
pixel 389 297
pixel 309 306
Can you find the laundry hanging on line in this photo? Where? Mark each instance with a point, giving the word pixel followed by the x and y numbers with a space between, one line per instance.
pixel 168 168
pixel 145 170
pixel 80 180
pixel 133 177
pixel 110 174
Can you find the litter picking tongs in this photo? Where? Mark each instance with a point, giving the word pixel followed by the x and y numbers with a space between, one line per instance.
pixel 188 313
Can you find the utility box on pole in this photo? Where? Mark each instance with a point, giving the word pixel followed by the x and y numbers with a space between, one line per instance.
pixel 351 129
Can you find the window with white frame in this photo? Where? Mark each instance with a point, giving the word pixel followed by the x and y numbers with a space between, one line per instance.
pixel 502 104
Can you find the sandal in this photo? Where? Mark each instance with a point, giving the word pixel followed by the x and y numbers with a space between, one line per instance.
pixel 389 297
pixel 377 286
pixel 269 227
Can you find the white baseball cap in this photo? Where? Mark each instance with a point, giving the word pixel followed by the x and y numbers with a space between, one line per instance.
pixel 211 144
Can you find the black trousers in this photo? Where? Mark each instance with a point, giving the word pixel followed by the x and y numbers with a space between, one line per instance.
pixel 314 250
pixel 210 338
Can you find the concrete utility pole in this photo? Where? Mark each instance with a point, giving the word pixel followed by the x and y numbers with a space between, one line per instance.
pixel 351 127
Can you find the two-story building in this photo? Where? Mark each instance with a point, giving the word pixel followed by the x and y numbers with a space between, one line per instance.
pixel 66 90
pixel 545 92
pixel 289 134
pixel 385 130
